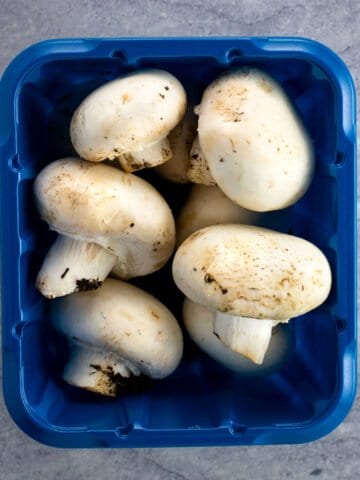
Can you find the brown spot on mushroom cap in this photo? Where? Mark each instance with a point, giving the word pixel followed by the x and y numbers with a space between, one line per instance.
pixel 265 85
pixel 63 275
pixel 208 278
pixel 229 101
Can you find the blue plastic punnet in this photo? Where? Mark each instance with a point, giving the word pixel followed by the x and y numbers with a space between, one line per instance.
pixel 201 403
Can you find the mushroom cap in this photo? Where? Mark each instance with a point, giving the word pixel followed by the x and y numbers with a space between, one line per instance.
pixel 252 272
pixel 254 142
pixel 127 115
pixel 207 206
pixel 118 211
pixel 199 323
pixel 125 321
pixel 180 139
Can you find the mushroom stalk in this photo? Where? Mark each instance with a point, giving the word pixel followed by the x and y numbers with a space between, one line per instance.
pixel 73 265
pixel 180 139
pixel 199 322
pixel 96 370
pixel 248 336
pixel 151 156
pixel 198 170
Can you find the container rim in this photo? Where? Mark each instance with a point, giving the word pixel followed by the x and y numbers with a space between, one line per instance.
pixel 259 47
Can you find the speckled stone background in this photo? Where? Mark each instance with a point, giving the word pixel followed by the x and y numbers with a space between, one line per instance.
pixel 333 22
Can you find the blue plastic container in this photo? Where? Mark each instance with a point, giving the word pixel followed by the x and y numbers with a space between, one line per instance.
pixel 202 403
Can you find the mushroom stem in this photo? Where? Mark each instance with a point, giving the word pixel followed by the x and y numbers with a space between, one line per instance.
pixel 198 170
pixel 96 370
pixel 248 336
pixel 151 156
pixel 72 266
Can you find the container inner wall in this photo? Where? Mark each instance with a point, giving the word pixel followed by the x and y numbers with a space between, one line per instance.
pixel 201 393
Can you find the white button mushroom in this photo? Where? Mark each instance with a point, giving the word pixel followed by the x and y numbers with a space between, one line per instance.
pixel 207 206
pixel 198 168
pixel 181 139
pixel 107 219
pixel 199 322
pixel 115 332
pixel 128 119
pixel 254 278
pixel 254 142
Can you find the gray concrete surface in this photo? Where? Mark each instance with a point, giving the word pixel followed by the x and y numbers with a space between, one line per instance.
pixel 333 22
